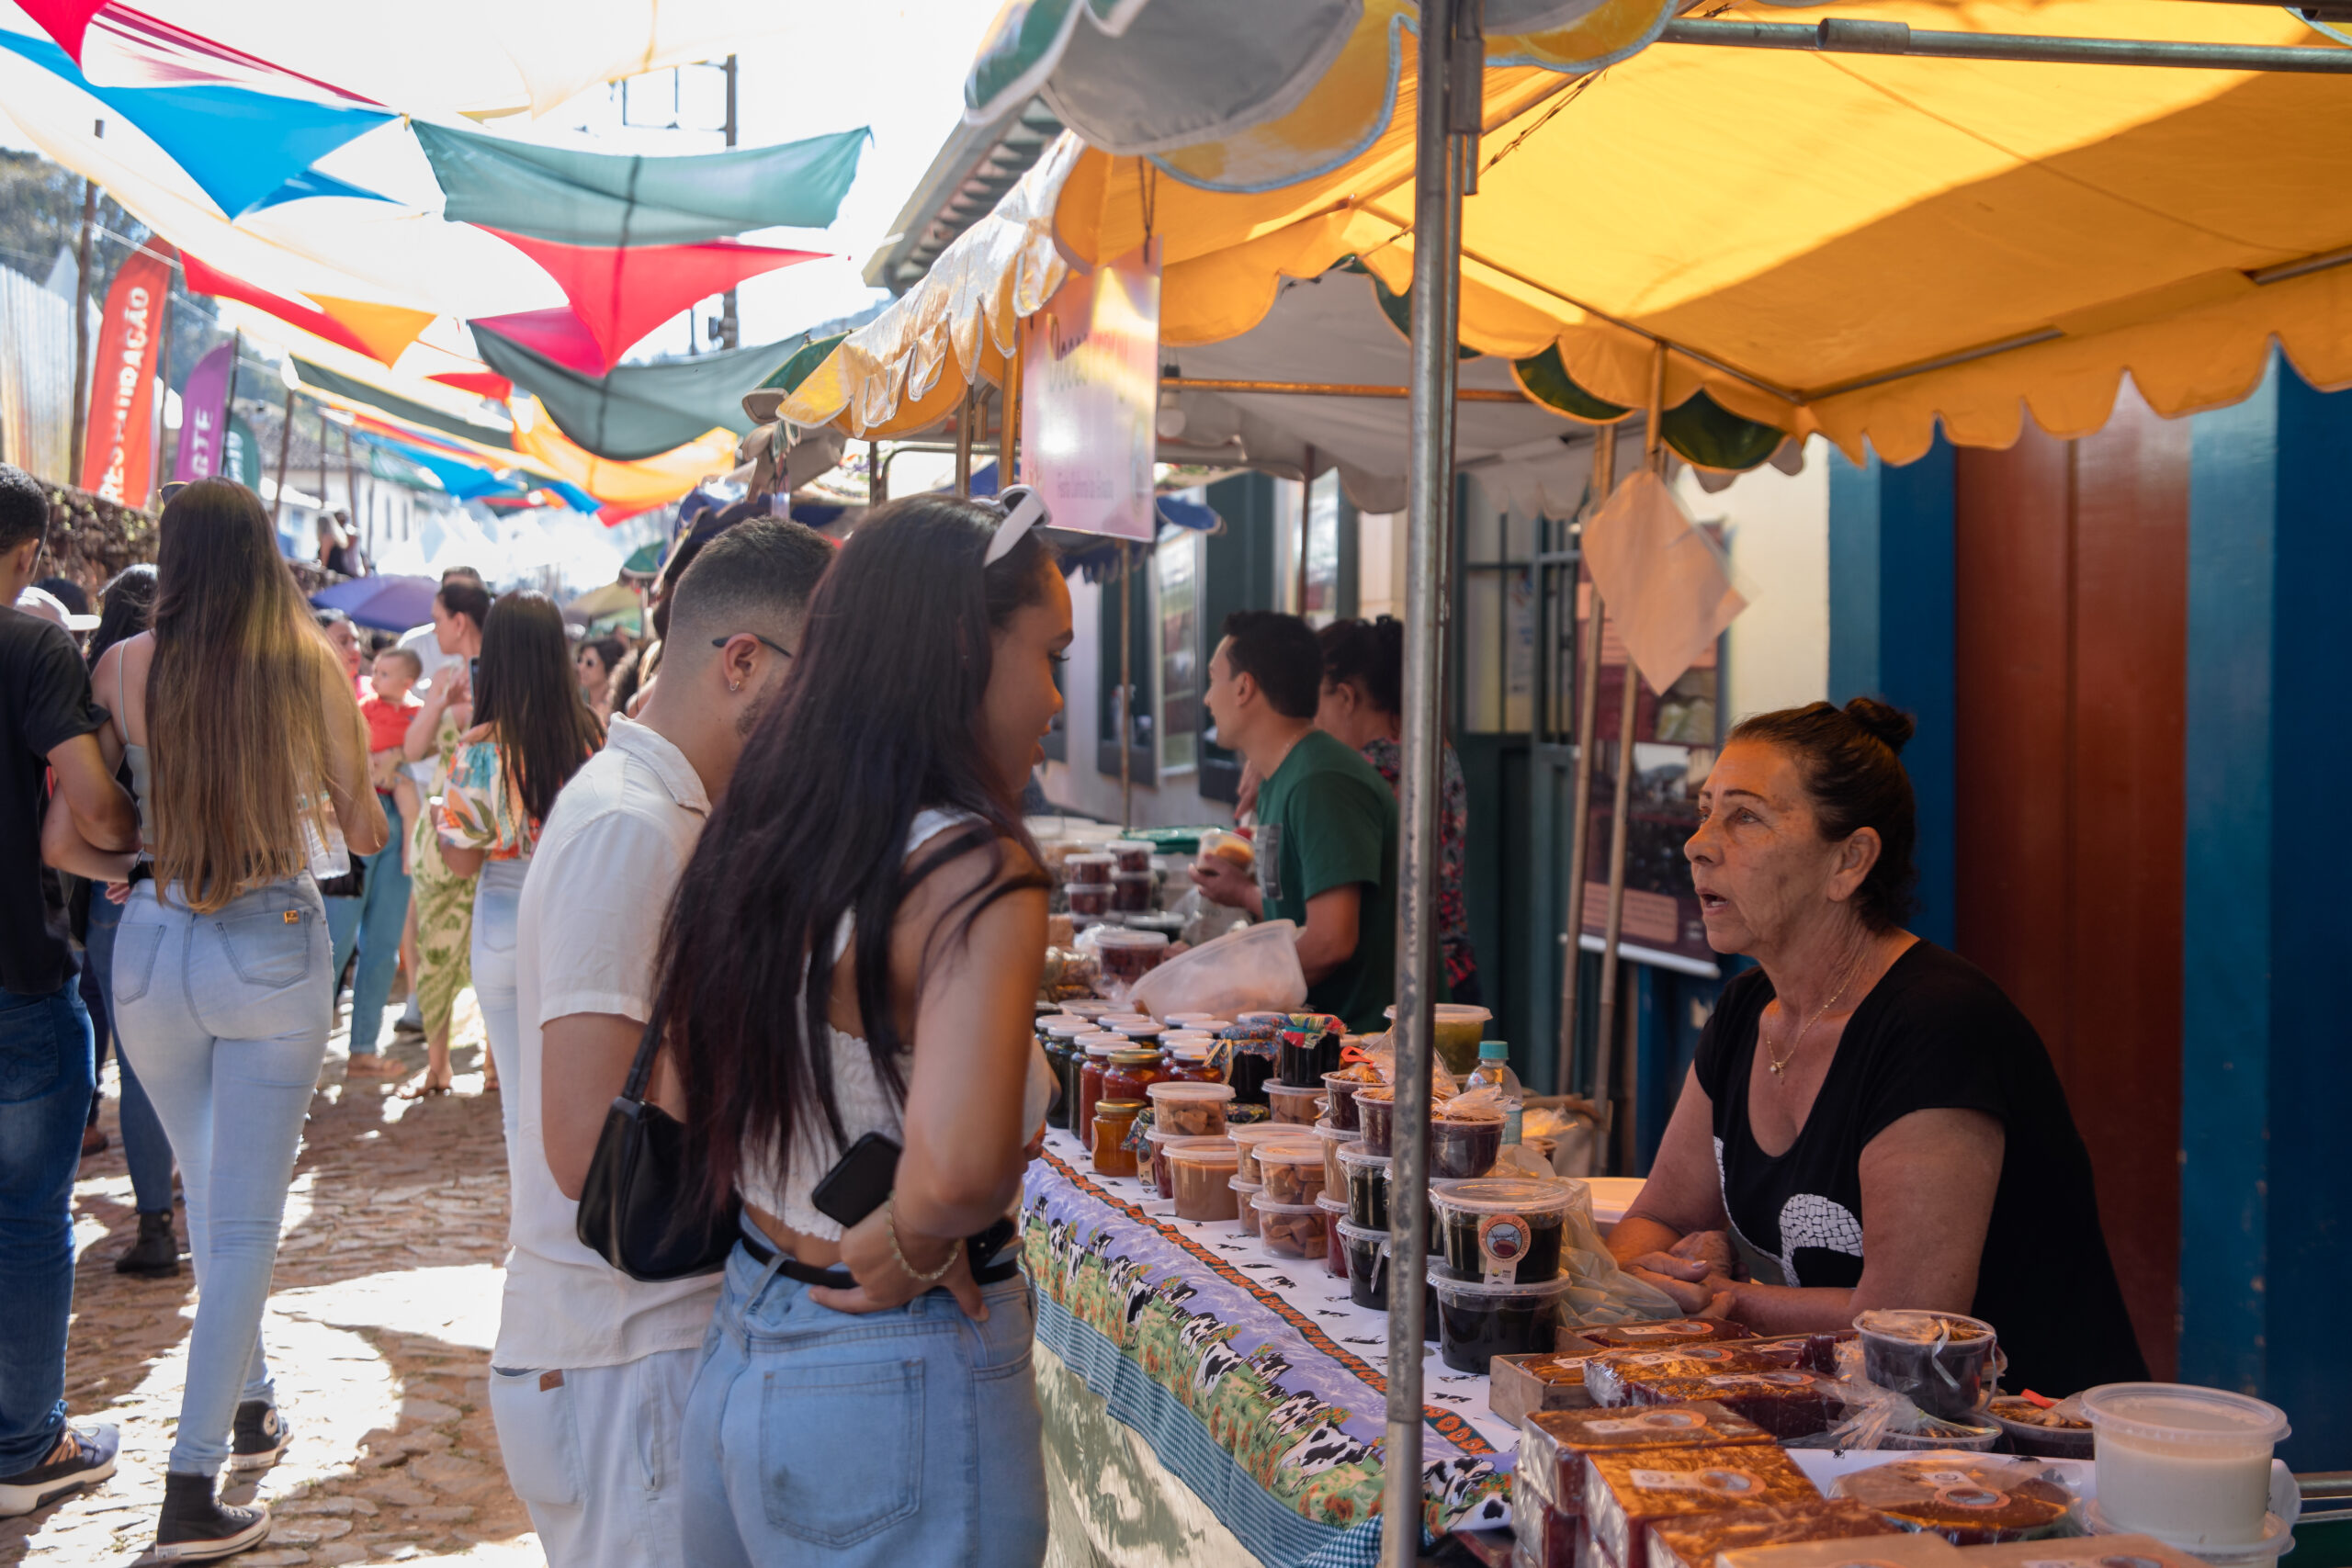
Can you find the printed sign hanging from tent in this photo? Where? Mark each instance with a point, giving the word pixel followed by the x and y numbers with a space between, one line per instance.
pixel 1090 390
pixel 204 418
pixel 119 460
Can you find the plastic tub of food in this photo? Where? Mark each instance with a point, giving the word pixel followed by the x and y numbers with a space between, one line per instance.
pixel 1112 1120
pixel 1500 1229
pixel 2191 1466
pixel 1342 1086
pixel 1243 1192
pixel 1944 1363
pixel 1334 1252
pixel 1367 1188
pixel 1463 1146
pixel 1300 1107
pixel 1127 955
pixel 2041 1432
pixel 1131 892
pixel 1292 1171
pixel 1093 866
pixel 1091 900
pixel 1376 1117
pixel 1155 1165
pixel 1291 1230
pixel 1130 856
pixel 1250 1134
pixel 1477 1321
pixel 1191 1110
pixel 1365 1252
pixel 1334 1139
pixel 1202 1171
pixel 1207 1024
pixel 1458 1027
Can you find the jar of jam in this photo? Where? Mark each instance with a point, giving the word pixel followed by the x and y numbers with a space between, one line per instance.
pixel 1091 900
pixel 1130 1073
pixel 1131 856
pixel 1092 867
pixel 1143 1032
pixel 1057 1063
pixel 1127 956
pixel 1092 1065
pixel 1189 1063
pixel 1131 892
pixel 1114 1118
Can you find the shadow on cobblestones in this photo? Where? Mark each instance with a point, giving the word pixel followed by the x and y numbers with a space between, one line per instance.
pixel 382 1314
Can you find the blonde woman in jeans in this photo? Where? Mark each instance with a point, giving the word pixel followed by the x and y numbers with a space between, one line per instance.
pixel 246 751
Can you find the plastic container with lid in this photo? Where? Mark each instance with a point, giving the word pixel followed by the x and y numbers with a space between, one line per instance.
pixel 1091 900
pixel 1500 1228
pixel 1093 1064
pixel 2191 1466
pixel 1127 956
pixel 1201 1172
pixel 1250 1134
pixel 1367 1188
pixel 1945 1363
pixel 1458 1028
pixel 1243 1192
pixel 1334 1139
pixel 1117 1016
pixel 1091 866
pixel 1292 1230
pixel 1142 1030
pixel 1302 1107
pixel 1293 1169
pixel 1366 1253
pixel 1132 892
pixel 1089 1007
pixel 1334 1252
pixel 1113 1119
pixel 1207 1023
pixel 1187 1061
pixel 1131 855
pixel 1192 1110
pixel 1463 1146
pixel 1058 1053
pixel 1132 1070
pixel 1477 1321
pixel 1342 1088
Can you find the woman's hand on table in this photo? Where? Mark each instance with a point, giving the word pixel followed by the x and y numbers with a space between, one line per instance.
pixel 1697 1286
pixel 868 1253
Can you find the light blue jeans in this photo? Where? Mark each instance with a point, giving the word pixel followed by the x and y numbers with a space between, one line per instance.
pixel 901 1437
pixel 498 899
pixel 225 1016
pixel 372 923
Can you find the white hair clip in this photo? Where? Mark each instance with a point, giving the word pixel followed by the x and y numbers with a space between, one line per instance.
pixel 1023 509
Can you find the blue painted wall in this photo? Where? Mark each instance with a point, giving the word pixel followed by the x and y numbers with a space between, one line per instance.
pixel 2267 1169
pixel 1890 621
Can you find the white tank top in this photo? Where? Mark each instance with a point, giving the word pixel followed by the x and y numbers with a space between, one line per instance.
pixel 865 1104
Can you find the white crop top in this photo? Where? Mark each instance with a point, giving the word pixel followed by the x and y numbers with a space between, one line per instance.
pixel 865 1105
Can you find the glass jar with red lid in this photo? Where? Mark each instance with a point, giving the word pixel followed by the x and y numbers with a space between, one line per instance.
pixel 1130 1073
pixel 1094 1061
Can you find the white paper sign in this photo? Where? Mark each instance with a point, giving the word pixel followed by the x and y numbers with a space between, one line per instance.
pixel 1089 392
pixel 1664 581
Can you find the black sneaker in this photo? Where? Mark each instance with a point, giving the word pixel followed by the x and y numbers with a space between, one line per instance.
pixel 196 1527
pixel 261 1435
pixel 156 1253
pixel 82 1457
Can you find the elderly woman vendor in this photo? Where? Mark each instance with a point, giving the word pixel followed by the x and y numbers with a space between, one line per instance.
pixel 1869 1122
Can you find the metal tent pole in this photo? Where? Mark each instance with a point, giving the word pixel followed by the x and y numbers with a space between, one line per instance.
pixel 80 411
pixel 964 419
pixel 285 450
pixel 1451 71
pixel 1628 701
pixel 1126 684
pixel 162 387
pixel 1604 480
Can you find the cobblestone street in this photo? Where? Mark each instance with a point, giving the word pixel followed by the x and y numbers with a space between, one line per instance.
pixel 378 1330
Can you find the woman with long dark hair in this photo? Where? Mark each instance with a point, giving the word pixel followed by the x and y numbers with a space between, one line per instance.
pixel 855 949
pixel 530 734
pixel 246 751
pixel 441 901
pixel 129 601
pixel 597 658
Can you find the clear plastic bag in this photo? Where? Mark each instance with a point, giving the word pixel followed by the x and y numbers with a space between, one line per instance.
pixel 1254 969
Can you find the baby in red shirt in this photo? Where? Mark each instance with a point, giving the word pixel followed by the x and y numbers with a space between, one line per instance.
pixel 387 710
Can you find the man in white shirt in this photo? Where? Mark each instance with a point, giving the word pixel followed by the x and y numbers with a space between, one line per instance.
pixel 589 1378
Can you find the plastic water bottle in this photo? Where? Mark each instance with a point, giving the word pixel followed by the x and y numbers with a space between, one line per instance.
pixel 1494 1072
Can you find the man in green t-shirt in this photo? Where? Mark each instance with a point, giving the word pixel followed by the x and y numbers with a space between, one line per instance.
pixel 1327 823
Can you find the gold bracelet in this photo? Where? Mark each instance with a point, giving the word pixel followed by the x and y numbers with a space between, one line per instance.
pixel 890 1229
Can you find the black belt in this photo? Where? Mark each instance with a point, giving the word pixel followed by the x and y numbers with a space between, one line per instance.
pixel 140 871
pixel 984 1248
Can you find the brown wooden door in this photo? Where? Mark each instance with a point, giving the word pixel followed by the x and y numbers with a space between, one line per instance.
pixel 2070 661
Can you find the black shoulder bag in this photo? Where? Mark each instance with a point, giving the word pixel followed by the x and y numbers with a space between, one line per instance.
pixel 640 1207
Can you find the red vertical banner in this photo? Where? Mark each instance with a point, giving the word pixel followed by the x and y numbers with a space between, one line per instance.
pixel 119 462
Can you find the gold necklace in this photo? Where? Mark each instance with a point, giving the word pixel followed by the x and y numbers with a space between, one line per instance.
pixel 1780 1065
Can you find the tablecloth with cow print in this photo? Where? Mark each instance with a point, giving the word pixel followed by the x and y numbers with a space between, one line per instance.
pixel 1238 1367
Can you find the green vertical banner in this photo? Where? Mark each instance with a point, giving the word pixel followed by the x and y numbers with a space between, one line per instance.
pixel 242 460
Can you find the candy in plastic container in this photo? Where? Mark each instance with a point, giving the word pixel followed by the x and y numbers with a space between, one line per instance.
pixel 1335 1251
pixel 1191 1110
pixel 1500 1228
pixel 1293 1104
pixel 1970 1499
pixel 1787 1403
pixel 1657 1336
pixel 1292 1230
pixel 1292 1170
pixel 1902 1549
pixel 1623 1376
pixel 1243 1192
pixel 2082 1551
pixel 1202 1171
pixel 1946 1364
pixel 1477 1321
pixel 1692 1543
pixel 1553 1443
pixel 1626 1492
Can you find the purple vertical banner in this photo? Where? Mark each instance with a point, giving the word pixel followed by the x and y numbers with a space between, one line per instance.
pixel 204 418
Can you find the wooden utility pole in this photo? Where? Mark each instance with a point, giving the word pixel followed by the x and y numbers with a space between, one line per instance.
pixel 285 450
pixel 162 387
pixel 82 326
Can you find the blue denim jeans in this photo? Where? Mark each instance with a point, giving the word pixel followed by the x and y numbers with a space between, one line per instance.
pixel 144 1147
pixel 372 922
pixel 498 900
pixel 225 1016
pixel 903 1437
pixel 45 1073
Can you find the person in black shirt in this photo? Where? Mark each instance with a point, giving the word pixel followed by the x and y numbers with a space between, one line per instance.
pixel 1870 1121
pixel 48 728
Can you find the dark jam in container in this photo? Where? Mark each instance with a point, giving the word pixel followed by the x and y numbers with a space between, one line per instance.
pixel 1477 1322
pixel 1306 1055
pixel 1463 1148
pixel 1365 1254
pixel 1131 1074
pixel 1367 1189
pixel 1503 1228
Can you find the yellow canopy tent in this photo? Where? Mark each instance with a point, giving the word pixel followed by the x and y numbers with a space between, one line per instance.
pixel 1852 244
